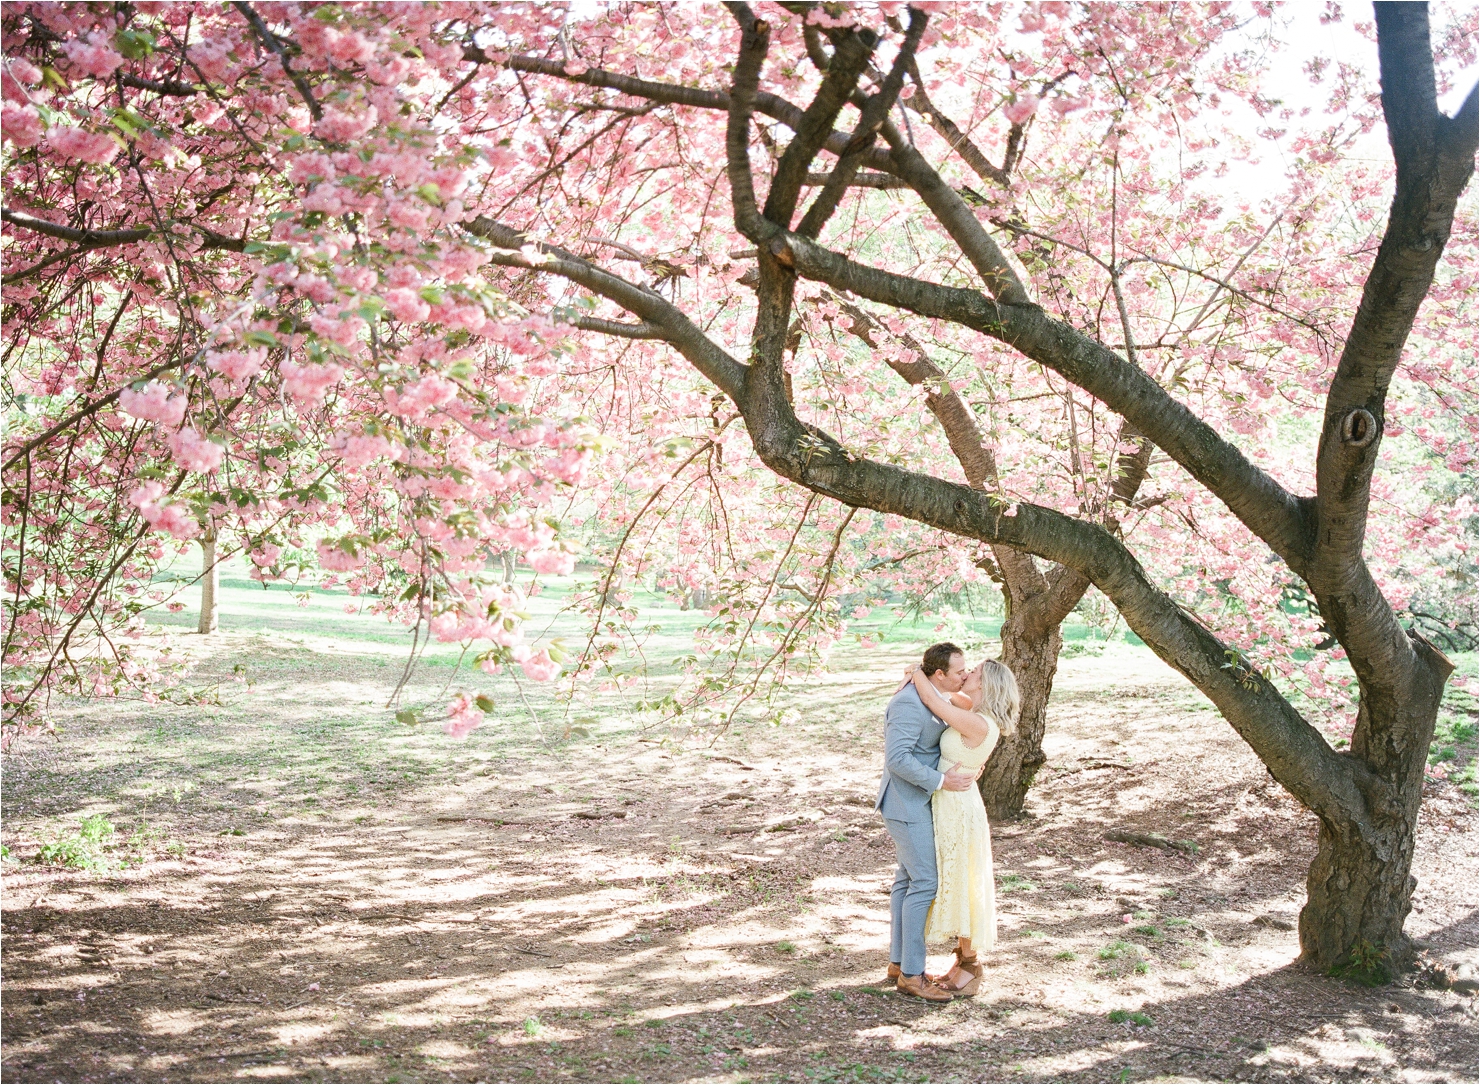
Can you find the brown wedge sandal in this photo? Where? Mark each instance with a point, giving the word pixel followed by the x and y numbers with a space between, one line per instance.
pixel 965 979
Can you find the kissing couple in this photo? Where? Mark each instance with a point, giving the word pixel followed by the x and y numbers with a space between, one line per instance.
pixel 941 726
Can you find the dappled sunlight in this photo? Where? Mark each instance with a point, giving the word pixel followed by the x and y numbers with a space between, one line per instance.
pixel 464 911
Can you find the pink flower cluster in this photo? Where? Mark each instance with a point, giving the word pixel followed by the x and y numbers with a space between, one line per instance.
pixel 538 666
pixel 413 401
pixel 339 126
pixel 336 558
pixel 1021 108
pixel 237 364
pixel 20 124
pixel 194 451
pixel 407 305
pixel 95 57
pixel 153 403
pixel 463 716
pixel 551 561
pixel 356 452
pixel 212 57
pixel 162 515
pixel 309 383
pixel 78 143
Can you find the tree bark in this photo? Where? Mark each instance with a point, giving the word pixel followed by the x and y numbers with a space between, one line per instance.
pixel 1359 890
pixel 210 583
pixel 1033 657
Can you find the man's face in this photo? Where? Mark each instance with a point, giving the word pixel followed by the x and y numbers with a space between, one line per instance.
pixel 953 677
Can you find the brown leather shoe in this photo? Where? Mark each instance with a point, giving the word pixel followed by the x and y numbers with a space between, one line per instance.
pixel 893 976
pixel 920 987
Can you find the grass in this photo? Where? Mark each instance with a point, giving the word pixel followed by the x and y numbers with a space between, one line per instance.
pixel 86 849
pixel 1115 950
pixel 1012 883
pixel 1134 1017
pixel 1455 731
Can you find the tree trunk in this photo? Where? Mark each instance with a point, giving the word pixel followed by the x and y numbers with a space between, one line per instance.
pixel 1033 657
pixel 1359 889
pixel 210 583
pixel 1358 895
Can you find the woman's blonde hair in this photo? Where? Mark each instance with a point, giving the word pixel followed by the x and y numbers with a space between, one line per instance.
pixel 999 696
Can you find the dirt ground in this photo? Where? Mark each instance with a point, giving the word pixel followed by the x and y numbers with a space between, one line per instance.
pixel 316 893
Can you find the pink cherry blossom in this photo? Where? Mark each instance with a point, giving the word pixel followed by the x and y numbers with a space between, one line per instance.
pixel 336 558
pixel 162 514
pixel 407 305
pixel 95 57
pixel 82 145
pixel 20 124
pixel 539 667
pixel 551 562
pixel 194 451
pixel 153 403
pixel 1021 108
pixel 309 383
pixel 463 717
pixel 417 398
pixel 358 450
pixel 237 364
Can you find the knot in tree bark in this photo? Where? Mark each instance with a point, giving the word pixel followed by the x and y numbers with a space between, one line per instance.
pixel 1358 428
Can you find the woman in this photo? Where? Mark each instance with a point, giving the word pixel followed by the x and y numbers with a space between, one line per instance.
pixel 965 905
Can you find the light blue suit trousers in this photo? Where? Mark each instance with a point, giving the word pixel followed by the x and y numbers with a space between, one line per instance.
pixel 911 776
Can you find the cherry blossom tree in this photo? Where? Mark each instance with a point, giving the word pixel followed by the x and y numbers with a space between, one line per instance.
pixel 1367 802
pixel 379 292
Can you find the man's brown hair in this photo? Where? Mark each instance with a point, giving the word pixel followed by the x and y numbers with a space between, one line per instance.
pixel 938 657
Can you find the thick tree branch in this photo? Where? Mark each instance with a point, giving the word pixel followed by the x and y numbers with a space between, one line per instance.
pixel 1258 500
pixel 957 140
pixel 754 42
pixel 968 444
pixel 168 87
pixel 861 180
pixel 520 252
pixel 1435 157
pixel 865 133
pixel 959 221
pixel 89 238
pixel 98 239
pixel 617 328
pixel 850 56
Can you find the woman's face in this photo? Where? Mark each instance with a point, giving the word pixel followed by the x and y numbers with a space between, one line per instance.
pixel 973 684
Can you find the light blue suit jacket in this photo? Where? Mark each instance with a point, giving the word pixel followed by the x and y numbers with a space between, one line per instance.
pixel 911 758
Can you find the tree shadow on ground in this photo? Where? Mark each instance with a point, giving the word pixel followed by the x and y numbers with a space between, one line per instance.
pixel 399 908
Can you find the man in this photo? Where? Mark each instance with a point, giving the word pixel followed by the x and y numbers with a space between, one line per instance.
pixel 911 755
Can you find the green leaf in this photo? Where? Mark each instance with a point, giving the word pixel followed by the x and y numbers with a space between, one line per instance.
pixel 258 337
pixel 134 44
pixel 430 193
pixel 409 716
pixel 484 702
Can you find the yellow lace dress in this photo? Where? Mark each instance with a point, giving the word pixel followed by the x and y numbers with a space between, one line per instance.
pixel 966 901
